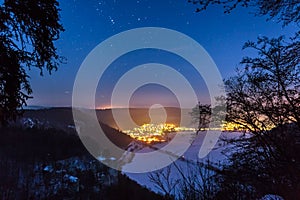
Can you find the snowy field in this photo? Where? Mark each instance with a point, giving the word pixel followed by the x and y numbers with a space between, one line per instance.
pixel 186 165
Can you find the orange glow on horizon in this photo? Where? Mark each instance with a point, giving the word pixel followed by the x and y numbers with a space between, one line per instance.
pixel 103 107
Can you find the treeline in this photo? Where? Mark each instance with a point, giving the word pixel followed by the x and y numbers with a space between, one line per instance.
pixel 40 163
pixel 39 144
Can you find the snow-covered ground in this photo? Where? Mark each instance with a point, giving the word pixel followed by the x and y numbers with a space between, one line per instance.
pixel 186 165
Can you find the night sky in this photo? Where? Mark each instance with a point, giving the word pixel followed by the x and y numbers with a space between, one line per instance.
pixel 88 23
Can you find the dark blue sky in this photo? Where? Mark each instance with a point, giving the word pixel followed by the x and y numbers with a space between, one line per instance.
pixel 88 23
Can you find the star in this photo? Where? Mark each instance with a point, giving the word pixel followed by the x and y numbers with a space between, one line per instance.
pixel 111 20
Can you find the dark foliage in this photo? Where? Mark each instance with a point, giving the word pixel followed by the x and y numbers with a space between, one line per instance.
pixel 127 189
pixel 28 29
pixel 265 93
pixel 285 11
pixel 201 115
pixel 39 144
pixel 264 98
pixel 24 154
pixel 252 172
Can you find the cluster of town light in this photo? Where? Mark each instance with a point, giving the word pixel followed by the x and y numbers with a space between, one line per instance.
pixel 229 126
pixel 151 133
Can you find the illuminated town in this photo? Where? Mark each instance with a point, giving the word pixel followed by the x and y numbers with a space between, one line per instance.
pixel 152 133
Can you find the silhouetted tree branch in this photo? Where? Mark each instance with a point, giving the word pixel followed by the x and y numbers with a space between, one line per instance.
pixel 265 93
pixel 28 31
pixel 201 115
pixel 264 98
pixel 285 11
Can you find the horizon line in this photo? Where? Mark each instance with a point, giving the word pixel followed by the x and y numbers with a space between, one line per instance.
pixel 27 107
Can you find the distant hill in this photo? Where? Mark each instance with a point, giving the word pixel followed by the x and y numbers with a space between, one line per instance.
pixel 62 117
pixel 59 118
pixel 141 116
